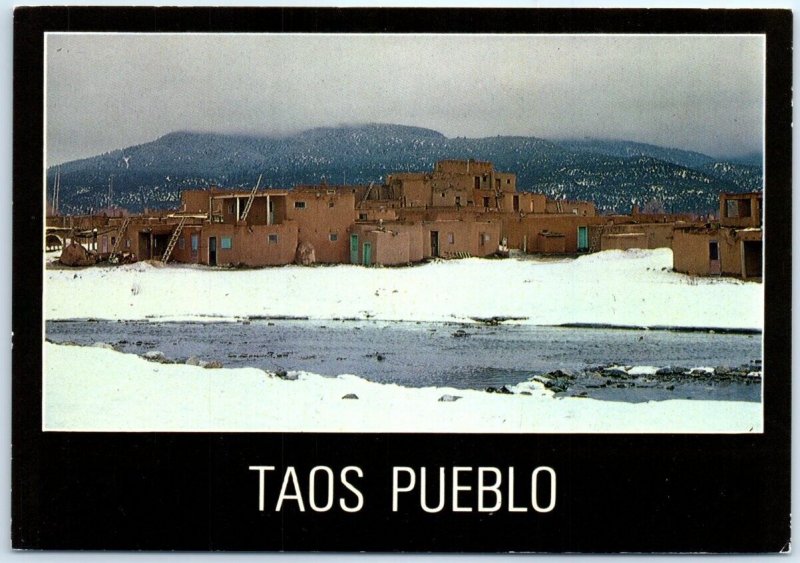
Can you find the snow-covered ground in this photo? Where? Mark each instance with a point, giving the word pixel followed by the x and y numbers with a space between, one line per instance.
pixel 91 388
pixel 634 288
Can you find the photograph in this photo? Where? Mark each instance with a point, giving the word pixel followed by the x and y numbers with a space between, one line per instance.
pixel 404 233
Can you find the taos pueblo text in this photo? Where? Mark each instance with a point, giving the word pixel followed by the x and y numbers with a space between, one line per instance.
pixel 430 489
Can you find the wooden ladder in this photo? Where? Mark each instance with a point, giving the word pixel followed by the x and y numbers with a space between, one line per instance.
pixel 250 199
pixel 366 195
pixel 120 233
pixel 173 240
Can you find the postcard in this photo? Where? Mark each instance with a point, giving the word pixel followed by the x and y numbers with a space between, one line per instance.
pixel 498 275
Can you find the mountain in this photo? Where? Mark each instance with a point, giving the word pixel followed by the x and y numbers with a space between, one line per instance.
pixel 613 174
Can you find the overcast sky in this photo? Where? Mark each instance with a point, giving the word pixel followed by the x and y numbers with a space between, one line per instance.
pixel 703 93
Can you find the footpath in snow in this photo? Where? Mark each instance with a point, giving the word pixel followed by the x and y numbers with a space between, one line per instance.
pixel 628 288
pixel 97 389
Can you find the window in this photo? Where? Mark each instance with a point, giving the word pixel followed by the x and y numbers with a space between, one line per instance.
pixel 451 239
pixel 458 200
pixel 113 241
pixel 477 182
pixel 486 202
pixel 744 208
pixel 225 243
pixel 330 204
pixel 482 239
pixel 333 237
pixel 272 239
pixel 181 243
pixel 299 204
pixel 230 208
pixel 497 183
pixel 127 243
pixel 362 216
pixel 195 243
pixel 508 180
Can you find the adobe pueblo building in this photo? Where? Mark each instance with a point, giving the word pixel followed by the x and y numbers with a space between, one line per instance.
pixel 461 208
pixel 731 247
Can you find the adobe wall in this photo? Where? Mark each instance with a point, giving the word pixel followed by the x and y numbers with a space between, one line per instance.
pixel 324 214
pixel 389 248
pixel 690 253
pixel 416 192
pixel 550 244
pixel 474 167
pixel 580 208
pixel 195 201
pixel 690 250
pixel 527 202
pixel 450 196
pixel 466 237
pixel 623 241
pixel 250 245
pixel 655 235
pixel 521 231
pixel 415 234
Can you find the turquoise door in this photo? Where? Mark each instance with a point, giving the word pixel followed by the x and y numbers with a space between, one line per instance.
pixel 354 249
pixel 583 238
pixel 368 254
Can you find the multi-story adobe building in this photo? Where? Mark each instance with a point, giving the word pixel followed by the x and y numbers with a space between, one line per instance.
pixel 460 208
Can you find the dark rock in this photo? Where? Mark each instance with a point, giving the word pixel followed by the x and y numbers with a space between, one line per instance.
pixel 615 372
pixel 213 364
pixel 460 333
pixel 504 390
pixel 350 396
pixel 559 373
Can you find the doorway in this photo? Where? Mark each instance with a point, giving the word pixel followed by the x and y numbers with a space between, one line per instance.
pixel 435 244
pixel 145 252
pixel 583 239
pixel 368 254
pixel 212 251
pixel 354 249
pixel 714 263
pixel 753 256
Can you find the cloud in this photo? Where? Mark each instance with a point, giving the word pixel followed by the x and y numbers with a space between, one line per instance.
pixel 109 91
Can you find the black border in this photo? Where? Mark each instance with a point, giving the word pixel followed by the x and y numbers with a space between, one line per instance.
pixel 632 493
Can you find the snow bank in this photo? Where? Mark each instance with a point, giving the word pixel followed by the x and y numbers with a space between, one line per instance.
pixel 632 288
pixel 96 389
